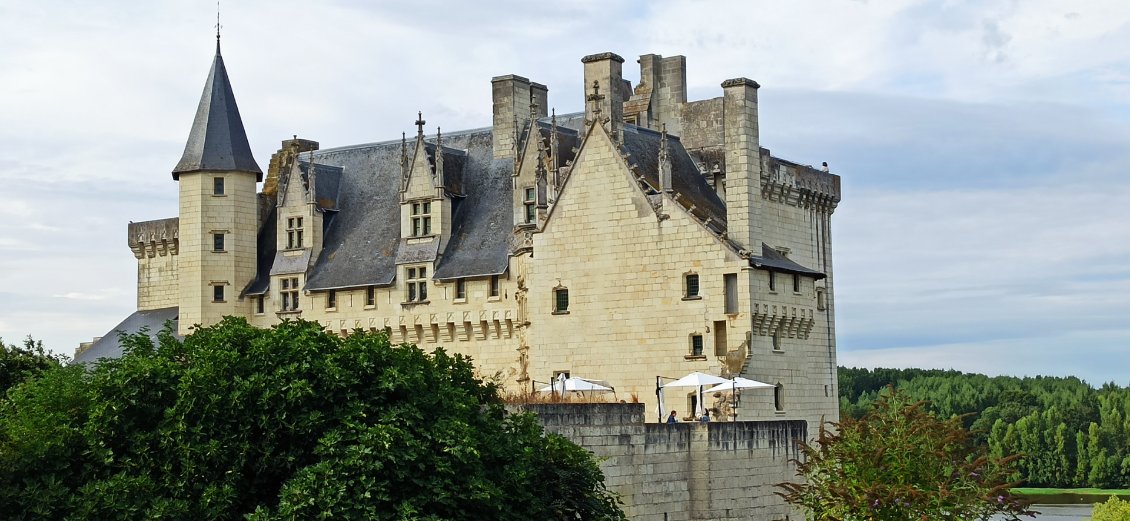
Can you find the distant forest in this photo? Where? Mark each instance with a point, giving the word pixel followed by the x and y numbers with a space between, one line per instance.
pixel 1071 434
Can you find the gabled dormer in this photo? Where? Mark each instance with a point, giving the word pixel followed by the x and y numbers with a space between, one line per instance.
pixel 432 181
pixel 307 194
pixel 546 150
pixel 531 179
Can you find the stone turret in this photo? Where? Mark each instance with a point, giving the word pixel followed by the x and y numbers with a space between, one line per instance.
pixel 218 224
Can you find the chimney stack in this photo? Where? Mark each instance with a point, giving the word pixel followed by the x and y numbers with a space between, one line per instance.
pixel 605 70
pixel 511 97
pixel 743 162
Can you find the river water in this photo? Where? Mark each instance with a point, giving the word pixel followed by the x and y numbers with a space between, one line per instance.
pixel 1061 512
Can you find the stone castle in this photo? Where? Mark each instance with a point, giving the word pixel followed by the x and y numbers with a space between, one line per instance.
pixel 649 236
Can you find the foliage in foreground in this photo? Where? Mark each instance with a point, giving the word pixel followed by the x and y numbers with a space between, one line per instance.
pixel 897 463
pixel 284 423
pixel 19 363
pixel 1073 435
pixel 1113 510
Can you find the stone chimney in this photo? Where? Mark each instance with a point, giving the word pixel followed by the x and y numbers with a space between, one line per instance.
pixel 666 78
pixel 743 162
pixel 511 97
pixel 606 97
pixel 539 94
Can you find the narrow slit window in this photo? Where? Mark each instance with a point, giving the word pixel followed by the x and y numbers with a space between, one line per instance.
pixel 730 283
pixel 370 296
pixel 530 205
pixel 460 289
pixel 494 285
pixel 331 299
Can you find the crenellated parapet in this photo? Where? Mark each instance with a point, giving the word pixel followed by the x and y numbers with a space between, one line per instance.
pixel 798 185
pixel 150 239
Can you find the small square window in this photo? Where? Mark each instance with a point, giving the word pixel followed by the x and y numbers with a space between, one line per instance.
pixel 218 293
pixel 331 299
pixel 561 300
pixel 371 296
pixel 696 345
pixel 494 285
pixel 217 186
pixel 460 289
pixel 690 285
pixel 217 242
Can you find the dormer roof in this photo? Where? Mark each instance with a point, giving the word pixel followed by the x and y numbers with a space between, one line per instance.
pixel 217 141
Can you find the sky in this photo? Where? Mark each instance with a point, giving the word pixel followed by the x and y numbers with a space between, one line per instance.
pixel 982 144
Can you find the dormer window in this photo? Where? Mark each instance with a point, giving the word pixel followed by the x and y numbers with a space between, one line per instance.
pixel 293 232
pixel 289 294
pixel 530 205
pixel 417 279
pixel 421 219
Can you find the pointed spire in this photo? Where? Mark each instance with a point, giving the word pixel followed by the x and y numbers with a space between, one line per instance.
pixel 438 177
pixel 217 141
pixel 403 155
pixel 553 145
pixel 311 191
pixel 664 162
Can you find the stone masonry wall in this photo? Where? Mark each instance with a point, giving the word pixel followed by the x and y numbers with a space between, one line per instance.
pixel 685 471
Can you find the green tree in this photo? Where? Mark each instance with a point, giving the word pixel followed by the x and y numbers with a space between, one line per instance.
pixel 19 363
pixel 237 422
pixel 899 462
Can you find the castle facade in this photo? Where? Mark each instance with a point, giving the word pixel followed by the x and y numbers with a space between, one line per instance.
pixel 643 239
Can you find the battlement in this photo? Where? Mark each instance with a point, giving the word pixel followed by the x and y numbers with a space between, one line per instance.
pixel 153 238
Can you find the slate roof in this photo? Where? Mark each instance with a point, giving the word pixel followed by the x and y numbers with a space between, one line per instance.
pixel 109 347
pixel 643 146
pixel 217 141
pixel 362 239
pixel 773 260
pixel 327 183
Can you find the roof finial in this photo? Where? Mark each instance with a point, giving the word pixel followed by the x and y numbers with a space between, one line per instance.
pixel 218 26
pixel 420 123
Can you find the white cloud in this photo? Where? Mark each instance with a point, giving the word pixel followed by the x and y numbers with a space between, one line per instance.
pixel 982 143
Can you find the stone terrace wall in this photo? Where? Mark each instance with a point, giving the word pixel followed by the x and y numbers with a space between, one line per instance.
pixel 686 471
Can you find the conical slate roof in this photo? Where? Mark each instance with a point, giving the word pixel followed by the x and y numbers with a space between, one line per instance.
pixel 217 141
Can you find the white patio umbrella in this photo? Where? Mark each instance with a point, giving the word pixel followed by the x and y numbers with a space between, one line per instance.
pixel 573 385
pixel 699 380
pixel 738 383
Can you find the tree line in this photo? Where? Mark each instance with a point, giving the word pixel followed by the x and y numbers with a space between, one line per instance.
pixel 1069 433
